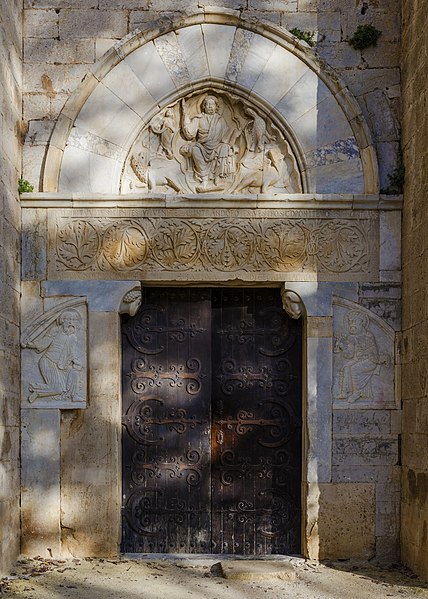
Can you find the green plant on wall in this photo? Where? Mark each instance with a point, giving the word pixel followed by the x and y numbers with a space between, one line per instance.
pixel 364 37
pixel 306 36
pixel 25 186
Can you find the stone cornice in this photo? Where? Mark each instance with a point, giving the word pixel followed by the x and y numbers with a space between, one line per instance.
pixel 212 201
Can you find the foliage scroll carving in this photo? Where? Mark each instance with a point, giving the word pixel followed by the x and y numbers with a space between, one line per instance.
pixel 213 245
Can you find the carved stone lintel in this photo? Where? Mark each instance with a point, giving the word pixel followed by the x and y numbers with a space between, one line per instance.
pixel 259 245
pixel 292 303
pixel 54 357
pixel 131 301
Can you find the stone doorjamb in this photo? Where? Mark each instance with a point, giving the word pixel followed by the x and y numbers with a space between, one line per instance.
pixel 71 458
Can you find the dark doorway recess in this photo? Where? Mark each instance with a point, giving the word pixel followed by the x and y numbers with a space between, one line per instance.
pixel 212 423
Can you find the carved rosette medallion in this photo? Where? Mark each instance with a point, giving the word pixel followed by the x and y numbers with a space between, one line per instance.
pixel 125 245
pixel 228 246
pixel 285 246
pixel 340 246
pixel 176 244
pixel 77 245
pixel 211 142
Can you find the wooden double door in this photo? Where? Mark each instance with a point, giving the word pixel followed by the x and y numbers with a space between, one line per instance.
pixel 211 423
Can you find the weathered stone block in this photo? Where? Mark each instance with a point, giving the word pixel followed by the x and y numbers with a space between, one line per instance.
pixel 340 55
pixel 358 451
pixel 103 45
pixel 319 326
pixel 380 290
pixel 273 5
pixel 92 23
pixel 32 161
pixel 40 499
pixel 76 4
pixel 9 338
pixel 52 79
pixel 10 539
pixel 41 23
pixel 319 413
pixel 59 52
pixel 9 479
pixel 389 492
pixel 361 422
pixel 388 310
pixel 34 247
pixel 102 296
pixel 9 302
pixel 36 106
pixel 348 532
pixel 376 474
pixel 9 444
pixel 388 549
pixel 390 240
pixel 124 4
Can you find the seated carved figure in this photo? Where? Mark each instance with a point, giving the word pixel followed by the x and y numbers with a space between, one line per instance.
pixel 210 152
pixel 361 360
pixel 211 142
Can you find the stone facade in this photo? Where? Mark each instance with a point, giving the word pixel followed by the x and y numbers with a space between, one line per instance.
pixel 10 169
pixel 63 39
pixel 293 194
pixel 415 324
pixel 167 188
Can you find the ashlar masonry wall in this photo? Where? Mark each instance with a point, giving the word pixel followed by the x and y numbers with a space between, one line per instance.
pixel 63 38
pixel 414 539
pixel 10 168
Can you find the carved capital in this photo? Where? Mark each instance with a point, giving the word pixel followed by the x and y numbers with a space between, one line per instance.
pixel 292 303
pixel 131 301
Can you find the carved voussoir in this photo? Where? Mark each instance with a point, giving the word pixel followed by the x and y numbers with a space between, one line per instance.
pixel 54 357
pixel 363 358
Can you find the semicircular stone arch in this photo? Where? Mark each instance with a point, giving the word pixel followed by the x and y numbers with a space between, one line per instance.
pixel 252 66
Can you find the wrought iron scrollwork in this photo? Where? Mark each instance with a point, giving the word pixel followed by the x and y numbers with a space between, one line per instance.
pixel 144 423
pixel 152 375
pixel 279 424
pixel 148 332
pixel 247 376
pixel 276 332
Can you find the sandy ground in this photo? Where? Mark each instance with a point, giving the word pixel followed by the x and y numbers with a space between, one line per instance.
pixel 200 578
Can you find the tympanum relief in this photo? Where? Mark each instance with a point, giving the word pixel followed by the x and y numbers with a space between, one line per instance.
pixel 363 358
pixel 54 357
pixel 211 143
